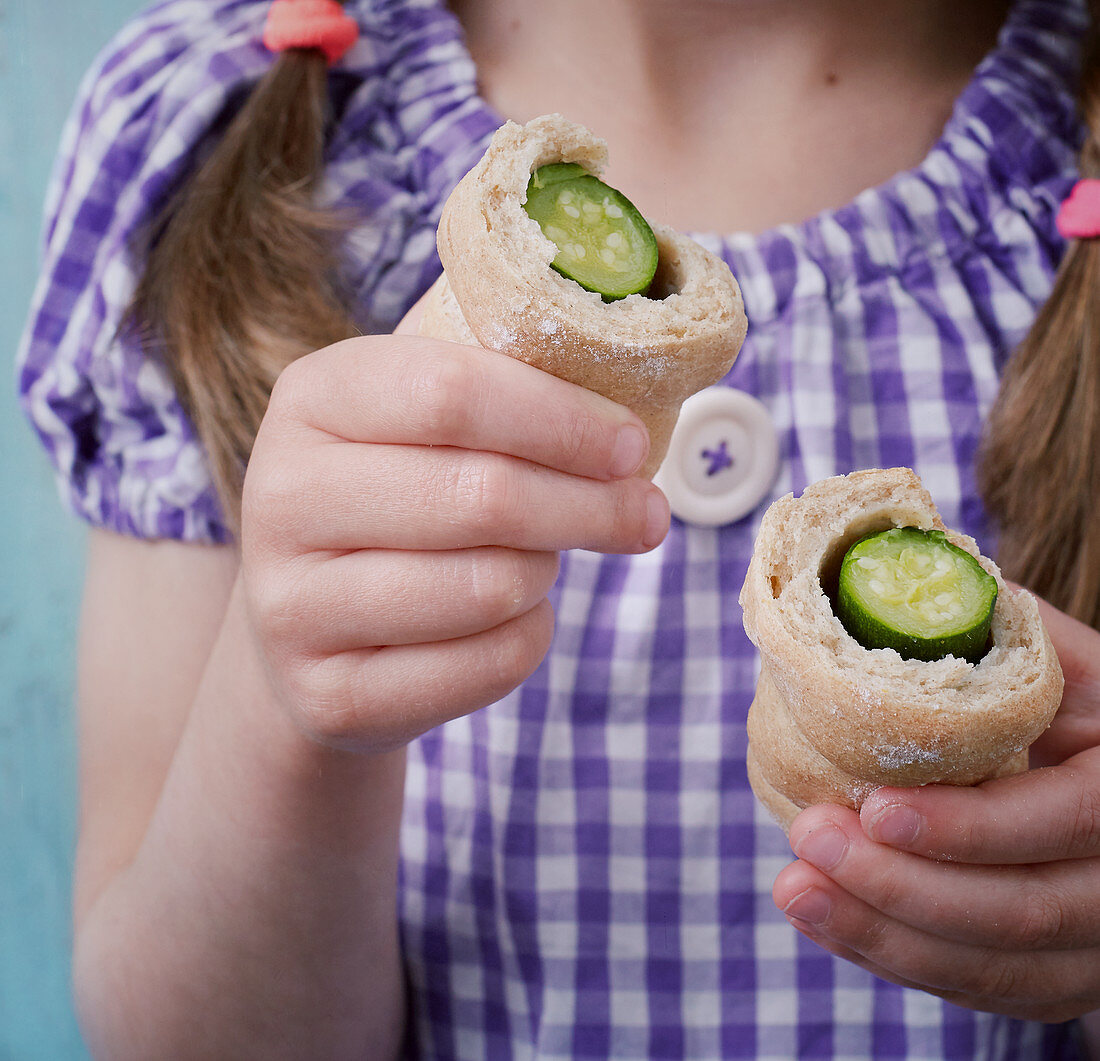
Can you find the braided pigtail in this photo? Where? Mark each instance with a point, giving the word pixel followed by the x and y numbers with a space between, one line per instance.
pixel 239 274
pixel 1039 469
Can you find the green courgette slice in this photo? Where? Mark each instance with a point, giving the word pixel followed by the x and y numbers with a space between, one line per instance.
pixel 603 242
pixel 913 591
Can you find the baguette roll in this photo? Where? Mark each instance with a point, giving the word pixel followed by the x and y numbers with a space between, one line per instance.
pixel 498 290
pixel 832 720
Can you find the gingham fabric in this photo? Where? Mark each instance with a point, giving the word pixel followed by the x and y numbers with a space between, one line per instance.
pixel 585 873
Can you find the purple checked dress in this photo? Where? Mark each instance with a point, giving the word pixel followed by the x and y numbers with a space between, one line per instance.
pixel 585 873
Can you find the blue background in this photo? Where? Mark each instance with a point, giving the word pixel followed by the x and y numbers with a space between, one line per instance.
pixel 44 50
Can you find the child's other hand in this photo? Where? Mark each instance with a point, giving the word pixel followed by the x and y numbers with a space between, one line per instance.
pixel 403 511
pixel 985 896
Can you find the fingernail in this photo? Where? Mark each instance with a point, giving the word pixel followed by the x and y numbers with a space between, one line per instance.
pixel 657 516
pixel 896 824
pixel 823 847
pixel 628 452
pixel 812 905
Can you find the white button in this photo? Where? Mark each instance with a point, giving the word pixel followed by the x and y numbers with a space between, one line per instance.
pixel 722 458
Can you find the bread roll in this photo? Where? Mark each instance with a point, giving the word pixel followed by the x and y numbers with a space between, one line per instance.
pixel 831 720
pixel 499 291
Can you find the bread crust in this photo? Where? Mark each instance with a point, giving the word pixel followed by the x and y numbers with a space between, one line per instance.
pixel 499 291
pixel 833 720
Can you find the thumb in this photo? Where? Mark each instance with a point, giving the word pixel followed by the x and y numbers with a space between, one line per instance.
pixel 1041 816
pixel 1076 727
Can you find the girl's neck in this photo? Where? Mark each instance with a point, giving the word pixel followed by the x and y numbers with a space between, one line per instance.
pixel 728 115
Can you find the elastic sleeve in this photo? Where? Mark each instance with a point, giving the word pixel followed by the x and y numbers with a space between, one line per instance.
pixel 125 453
pixel 150 109
pixel 406 124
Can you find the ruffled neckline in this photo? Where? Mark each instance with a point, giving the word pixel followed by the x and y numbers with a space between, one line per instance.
pixel 1009 143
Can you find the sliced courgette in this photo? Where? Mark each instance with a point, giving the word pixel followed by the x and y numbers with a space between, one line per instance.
pixel 913 591
pixel 603 242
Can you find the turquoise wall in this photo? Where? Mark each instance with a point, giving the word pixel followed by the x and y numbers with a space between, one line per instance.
pixel 44 50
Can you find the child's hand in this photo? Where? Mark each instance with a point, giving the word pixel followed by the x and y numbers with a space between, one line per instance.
pixel 985 896
pixel 403 511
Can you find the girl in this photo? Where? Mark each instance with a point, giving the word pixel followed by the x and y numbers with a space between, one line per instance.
pixel 429 737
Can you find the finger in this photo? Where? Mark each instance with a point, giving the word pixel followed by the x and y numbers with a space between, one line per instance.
pixel 1078 648
pixel 406 389
pixel 1020 908
pixel 816 935
pixel 380 597
pixel 347 496
pixel 375 700
pixel 1041 985
pixel 1076 727
pixel 1041 816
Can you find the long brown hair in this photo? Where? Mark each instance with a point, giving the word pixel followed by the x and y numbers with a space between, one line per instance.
pixel 239 271
pixel 1039 468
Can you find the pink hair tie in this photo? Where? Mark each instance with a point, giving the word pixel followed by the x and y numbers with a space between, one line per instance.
pixel 1079 215
pixel 319 24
